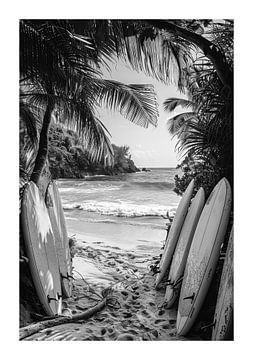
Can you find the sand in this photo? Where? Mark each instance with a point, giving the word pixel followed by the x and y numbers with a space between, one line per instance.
pixel 135 311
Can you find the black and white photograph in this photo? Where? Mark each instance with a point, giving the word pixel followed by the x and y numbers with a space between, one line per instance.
pixel 126 179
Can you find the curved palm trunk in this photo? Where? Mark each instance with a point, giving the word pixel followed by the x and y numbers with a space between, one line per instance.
pixel 210 50
pixel 41 157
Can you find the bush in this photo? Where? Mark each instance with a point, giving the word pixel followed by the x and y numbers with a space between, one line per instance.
pixel 201 170
pixel 68 158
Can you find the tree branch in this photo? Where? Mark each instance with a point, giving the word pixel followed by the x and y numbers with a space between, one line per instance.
pixel 34 328
pixel 210 50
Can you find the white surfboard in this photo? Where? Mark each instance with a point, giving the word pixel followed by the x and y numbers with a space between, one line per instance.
pixel 182 249
pixel 203 255
pixel 223 316
pixel 39 241
pixel 57 218
pixel 174 233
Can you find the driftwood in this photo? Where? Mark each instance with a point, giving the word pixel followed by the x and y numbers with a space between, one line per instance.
pixel 34 328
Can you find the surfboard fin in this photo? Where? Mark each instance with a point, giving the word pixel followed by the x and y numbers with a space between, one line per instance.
pixel 178 282
pixel 67 277
pixel 169 282
pixel 189 297
pixel 49 299
pixel 24 259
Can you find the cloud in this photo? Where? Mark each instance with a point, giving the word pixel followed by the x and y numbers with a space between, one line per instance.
pixel 144 154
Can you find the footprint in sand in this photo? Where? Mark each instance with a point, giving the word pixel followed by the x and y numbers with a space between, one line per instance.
pixel 137 306
pixel 158 321
pixel 134 303
pixel 161 312
pixel 125 337
pixel 166 326
pixel 124 293
pixel 155 333
pixel 144 312
pixel 127 314
pixel 151 304
pixel 110 330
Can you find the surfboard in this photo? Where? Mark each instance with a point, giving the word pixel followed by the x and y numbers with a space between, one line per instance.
pixel 182 248
pixel 56 214
pixel 174 232
pixel 203 255
pixel 39 241
pixel 223 316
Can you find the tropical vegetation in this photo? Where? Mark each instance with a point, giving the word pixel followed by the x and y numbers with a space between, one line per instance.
pixel 204 123
pixel 68 158
pixel 61 86
pixel 60 79
pixel 197 56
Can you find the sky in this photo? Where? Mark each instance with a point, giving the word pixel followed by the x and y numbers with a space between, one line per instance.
pixel 152 147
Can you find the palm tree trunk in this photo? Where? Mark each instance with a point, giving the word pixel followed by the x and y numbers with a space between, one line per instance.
pixel 211 51
pixel 41 157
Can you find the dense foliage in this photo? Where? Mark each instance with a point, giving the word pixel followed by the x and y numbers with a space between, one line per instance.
pixel 204 173
pixel 68 158
pixel 60 73
pixel 204 123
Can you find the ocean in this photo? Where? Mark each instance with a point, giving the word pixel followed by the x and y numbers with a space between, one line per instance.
pixel 120 216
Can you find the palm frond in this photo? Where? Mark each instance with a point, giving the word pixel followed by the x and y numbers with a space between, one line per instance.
pixel 146 49
pixel 29 121
pixel 136 102
pixel 171 103
pixel 94 134
pixel 178 124
pixel 49 50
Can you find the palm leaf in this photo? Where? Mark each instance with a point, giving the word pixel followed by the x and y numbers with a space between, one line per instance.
pixel 179 123
pixel 29 121
pixel 49 50
pixel 171 104
pixel 136 102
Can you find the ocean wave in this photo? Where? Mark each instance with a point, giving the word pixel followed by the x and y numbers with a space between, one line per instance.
pixel 116 222
pixel 75 190
pixel 162 185
pixel 122 209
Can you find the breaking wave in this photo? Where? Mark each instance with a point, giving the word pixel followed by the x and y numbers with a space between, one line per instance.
pixel 122 209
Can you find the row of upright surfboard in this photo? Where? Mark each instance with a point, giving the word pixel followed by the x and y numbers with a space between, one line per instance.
pixel 47 246
pixel 191 254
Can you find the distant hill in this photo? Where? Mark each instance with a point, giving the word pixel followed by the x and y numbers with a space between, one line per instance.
pixel 69 159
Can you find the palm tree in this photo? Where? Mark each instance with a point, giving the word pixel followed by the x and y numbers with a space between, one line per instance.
pixel 60 75
pixel 205 128
pixel 197 55
pixel 164 49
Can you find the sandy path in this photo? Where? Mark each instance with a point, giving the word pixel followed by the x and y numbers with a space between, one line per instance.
pixel 138 315
pixel 137 310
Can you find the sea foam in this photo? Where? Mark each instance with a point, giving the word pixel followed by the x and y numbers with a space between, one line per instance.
pixel 88 191
pixel 123 209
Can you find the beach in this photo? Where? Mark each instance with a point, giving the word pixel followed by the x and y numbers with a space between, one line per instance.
pixel 118 226
pixel 134 311
pixel 87 188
